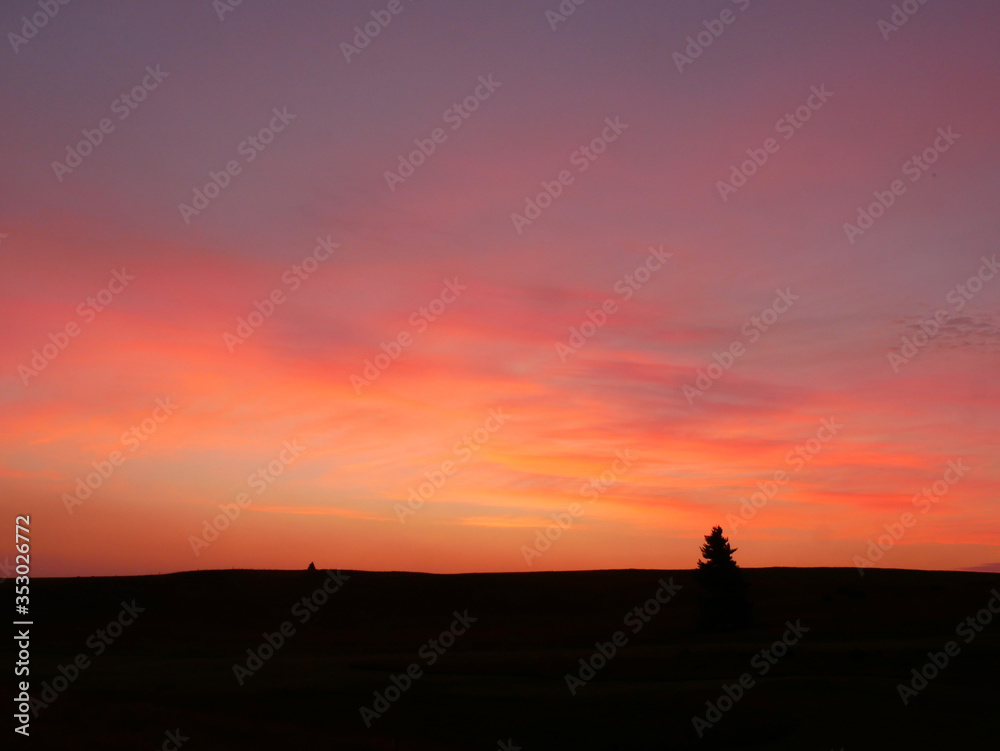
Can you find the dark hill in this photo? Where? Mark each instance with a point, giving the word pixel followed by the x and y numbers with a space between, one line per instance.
pixel 504 677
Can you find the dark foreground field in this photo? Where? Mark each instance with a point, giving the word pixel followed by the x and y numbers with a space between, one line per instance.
pixel 504 678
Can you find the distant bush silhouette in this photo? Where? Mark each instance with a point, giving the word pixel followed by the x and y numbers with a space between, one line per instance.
pixel 724 606
pixel 312 567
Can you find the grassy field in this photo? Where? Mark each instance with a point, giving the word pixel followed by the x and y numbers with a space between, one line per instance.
pixel 503 677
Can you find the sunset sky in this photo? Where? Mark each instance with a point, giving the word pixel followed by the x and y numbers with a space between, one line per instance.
pixel 478 301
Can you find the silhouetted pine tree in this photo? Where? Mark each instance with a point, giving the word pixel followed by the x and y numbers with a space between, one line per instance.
pixel 719 569
pixel 724 606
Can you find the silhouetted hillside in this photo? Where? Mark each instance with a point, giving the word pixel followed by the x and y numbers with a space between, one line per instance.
pixel 504 675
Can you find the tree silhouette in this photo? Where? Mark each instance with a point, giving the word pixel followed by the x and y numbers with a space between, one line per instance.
pixel 724 606
pixel 716 551
pixel 719 570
